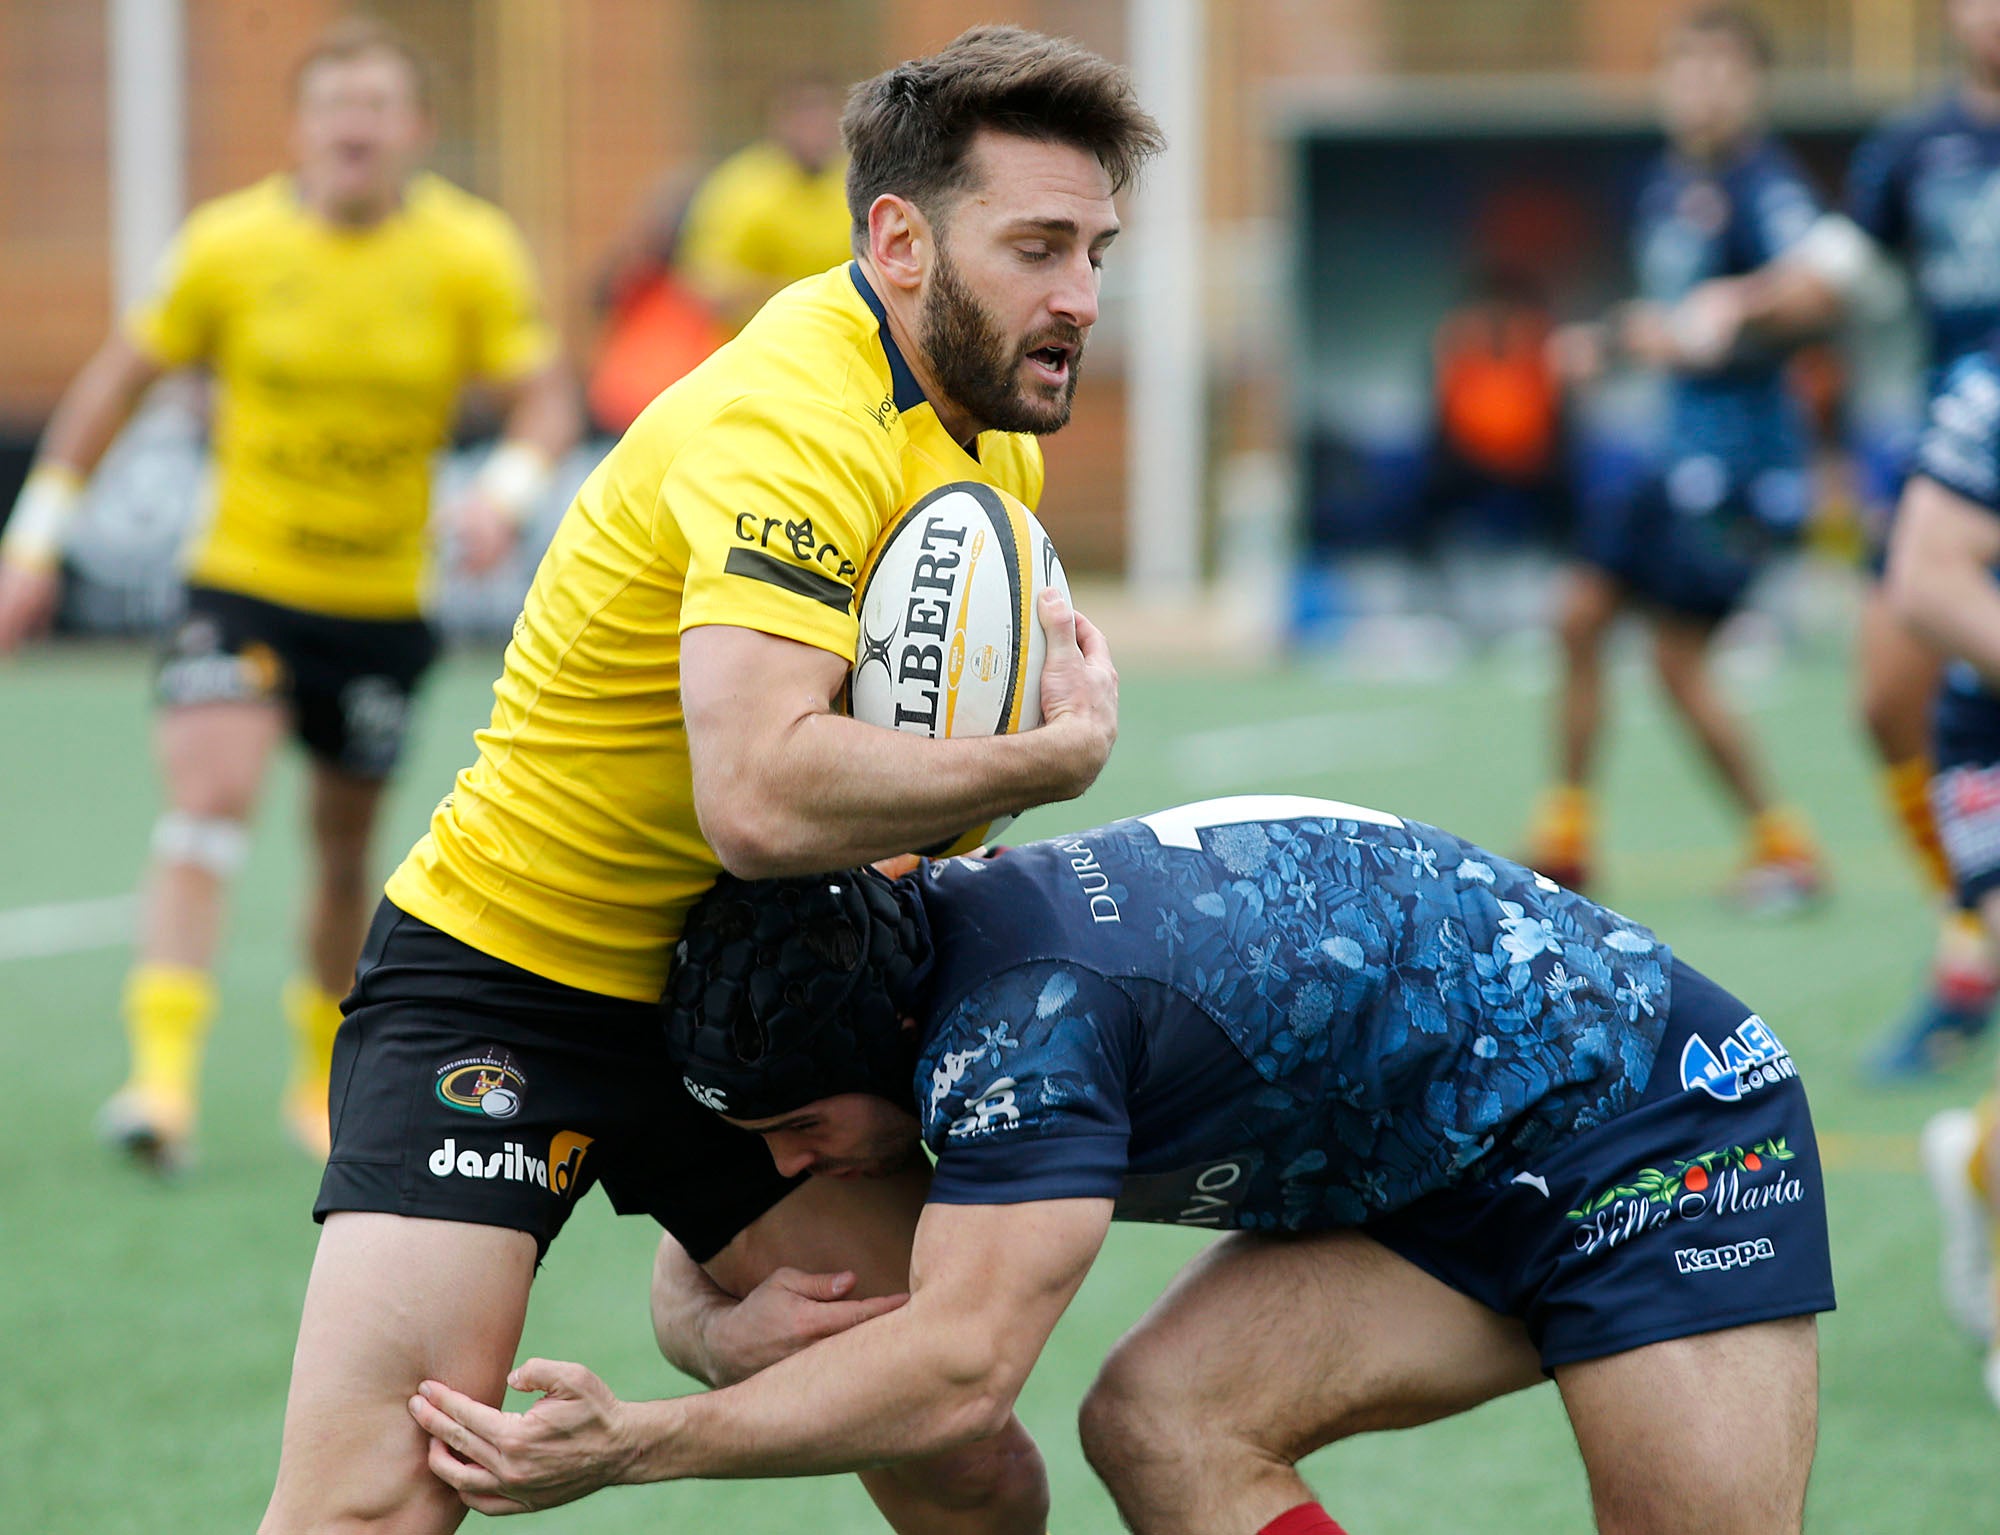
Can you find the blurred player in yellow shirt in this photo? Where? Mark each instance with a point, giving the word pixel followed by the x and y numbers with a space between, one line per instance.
pixel 772 213
pixel 341 309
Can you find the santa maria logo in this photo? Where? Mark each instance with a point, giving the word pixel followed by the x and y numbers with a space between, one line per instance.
pixel 1714 1186
pixel 489 1083
pixel 1751 1057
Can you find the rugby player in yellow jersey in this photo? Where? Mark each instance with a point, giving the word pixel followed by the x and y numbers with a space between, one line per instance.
pixel 666 710
pixel 773 212
pixel 341 310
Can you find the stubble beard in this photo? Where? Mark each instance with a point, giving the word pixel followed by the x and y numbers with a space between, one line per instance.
pixel 976 368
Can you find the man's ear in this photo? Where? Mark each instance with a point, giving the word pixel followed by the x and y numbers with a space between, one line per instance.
pixel 899 241
pixel 910 1025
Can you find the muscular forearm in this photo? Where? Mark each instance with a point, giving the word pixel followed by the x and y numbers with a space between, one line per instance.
pixel 905 1385
pixel 835 793
pixel 685 1302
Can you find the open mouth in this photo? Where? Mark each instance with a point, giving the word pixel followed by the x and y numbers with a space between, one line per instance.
pixel 1052 362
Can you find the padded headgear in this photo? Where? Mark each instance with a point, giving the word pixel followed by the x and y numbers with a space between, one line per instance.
pixel 785 991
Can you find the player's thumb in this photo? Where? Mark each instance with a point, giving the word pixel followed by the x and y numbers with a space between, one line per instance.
pixel 1058 620
pixel 543 1375
pixel 823 1287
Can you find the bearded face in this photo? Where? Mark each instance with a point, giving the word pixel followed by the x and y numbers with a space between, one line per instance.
pixel 1008 383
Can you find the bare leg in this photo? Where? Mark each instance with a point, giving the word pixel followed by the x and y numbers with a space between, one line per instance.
pixel 1680 652
pixel 1265 1349
pixel 998 1487
pixel 1712 1433
pixel 344 810
pixel 1589 606
pixel 393 1301
pixel 1898 677
pixel 213 758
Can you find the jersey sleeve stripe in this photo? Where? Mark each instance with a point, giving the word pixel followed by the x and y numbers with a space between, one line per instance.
pixel 756 565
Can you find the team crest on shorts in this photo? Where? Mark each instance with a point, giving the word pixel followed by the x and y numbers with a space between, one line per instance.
pixel 490 1084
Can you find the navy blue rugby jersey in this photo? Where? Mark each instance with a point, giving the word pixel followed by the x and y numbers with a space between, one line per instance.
pixel 1926 186
pixel 1268 1012
pixel 1697 222
pixel 1960 449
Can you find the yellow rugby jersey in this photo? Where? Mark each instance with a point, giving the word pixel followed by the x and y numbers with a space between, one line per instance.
pixel 747 494
pixel 761 214
pixel 339 356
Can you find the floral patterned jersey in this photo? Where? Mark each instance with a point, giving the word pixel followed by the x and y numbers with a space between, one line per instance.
pixel 1268 1012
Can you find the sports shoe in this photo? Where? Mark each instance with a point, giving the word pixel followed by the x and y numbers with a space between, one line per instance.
pixel 1965 1246
pixel 1777 887
pixel 153 1131
pixel 1560 836
pixel 303 1111
pixel 1934 1037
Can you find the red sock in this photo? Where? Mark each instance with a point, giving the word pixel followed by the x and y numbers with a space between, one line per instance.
pixel 1306 1519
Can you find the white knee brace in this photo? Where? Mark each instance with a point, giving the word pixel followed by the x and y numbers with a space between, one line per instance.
pixel 208 842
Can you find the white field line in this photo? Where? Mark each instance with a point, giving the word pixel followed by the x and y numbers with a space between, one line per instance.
pixel 1304 743
pixel 67 927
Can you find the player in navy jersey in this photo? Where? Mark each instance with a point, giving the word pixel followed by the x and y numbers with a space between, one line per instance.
pixel 1730 482
pixel 1923 192
pixel 1468 1128
pixel 1943 565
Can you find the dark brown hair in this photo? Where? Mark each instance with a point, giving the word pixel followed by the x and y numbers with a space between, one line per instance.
pixel 1740 25
pixel 908 129
pixel 357 37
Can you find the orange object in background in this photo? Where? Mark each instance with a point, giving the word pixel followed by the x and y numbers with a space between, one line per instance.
pixel 657 333
pixel 1499 402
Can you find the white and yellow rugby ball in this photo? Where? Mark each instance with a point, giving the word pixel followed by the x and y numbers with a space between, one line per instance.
pixel 950 644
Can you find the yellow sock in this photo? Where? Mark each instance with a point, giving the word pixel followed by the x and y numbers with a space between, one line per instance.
pixel 315 1018
pixel 168 1009
pixel 1908 786
pixel 1781 834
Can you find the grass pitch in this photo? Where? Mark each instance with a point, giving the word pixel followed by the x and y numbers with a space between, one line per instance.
pixel 147 1331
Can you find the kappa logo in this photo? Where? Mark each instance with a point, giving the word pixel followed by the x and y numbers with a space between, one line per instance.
pixel 1751 1058
pixel 708 1097
pixel 992 1110
pixel 558 1172
pixel 489 1083
pixel 1716 1260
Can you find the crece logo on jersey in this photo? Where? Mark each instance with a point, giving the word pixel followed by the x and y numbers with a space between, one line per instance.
pixel 800 537
pixel 1730 1255
pixel 489 1083
pixel 557 1172
pixel 992 1110
pixel 708 1097
pixel 1751 1058
pixel 934 585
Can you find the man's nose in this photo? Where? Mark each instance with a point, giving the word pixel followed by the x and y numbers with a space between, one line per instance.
pixel 1076 299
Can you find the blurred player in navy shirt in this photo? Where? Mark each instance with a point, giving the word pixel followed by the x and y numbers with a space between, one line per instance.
pixel 1730 480
pixel 1924 193
pixel 1466 1126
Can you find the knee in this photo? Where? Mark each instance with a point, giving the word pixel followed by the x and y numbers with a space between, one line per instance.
pixel 1004 1472
pixel 1137 1414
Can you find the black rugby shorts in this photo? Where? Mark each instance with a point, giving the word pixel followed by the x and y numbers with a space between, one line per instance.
pixel 347 682
pixel 466 1089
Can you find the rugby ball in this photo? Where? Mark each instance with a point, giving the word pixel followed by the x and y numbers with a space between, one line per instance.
pixel 950 644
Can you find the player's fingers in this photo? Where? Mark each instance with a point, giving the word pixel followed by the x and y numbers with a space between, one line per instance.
pixel 828 1320
pixel 466 1410
pixel 819 1287
pixel 1091 641
pixel 1058 619
pixel 551 1377
pixel 452 1443
pixel 477 1488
